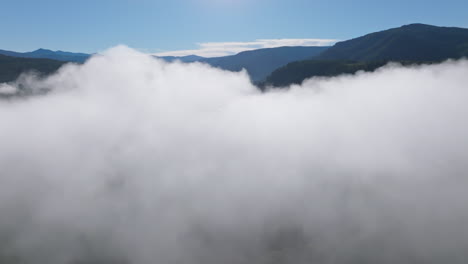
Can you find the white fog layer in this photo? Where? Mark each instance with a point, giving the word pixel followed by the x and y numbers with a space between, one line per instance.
pixel 128 159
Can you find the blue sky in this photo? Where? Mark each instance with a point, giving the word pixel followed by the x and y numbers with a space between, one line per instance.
pixel 160 26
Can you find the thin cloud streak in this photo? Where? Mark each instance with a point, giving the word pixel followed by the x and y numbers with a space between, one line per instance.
pixel 218 49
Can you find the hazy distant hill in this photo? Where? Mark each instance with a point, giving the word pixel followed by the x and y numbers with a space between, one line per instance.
pixel 49 54
pixel 260 63
pixel 189 58
pixel 417 42
pixel 411 44
pixel 12 67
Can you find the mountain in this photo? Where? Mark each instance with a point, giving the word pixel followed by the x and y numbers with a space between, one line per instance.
pixel 261 62
pixel 258 63
pixel 416 42
pixel 49 54
pixel 12 67
pixel 410 44
pixel 187 59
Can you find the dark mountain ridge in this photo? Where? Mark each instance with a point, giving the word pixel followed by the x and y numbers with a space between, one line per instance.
pixel 409 44
pixel 418 42
pixel 12 67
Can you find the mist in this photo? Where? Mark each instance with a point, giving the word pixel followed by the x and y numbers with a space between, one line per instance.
pixel 129 159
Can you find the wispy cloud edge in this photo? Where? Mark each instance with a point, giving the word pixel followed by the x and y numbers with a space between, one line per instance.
pixel 218 49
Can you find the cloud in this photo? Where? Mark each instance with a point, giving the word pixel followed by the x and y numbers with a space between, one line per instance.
pixel 218 49
pixel 6 89
pixel 128 159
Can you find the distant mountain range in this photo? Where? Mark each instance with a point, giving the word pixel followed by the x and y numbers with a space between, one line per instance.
pixel 409 44
pixel 258 63
pixel 49 54
pixel 189 58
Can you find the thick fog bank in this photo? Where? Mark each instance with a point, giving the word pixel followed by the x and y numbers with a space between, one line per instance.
pixel 128 159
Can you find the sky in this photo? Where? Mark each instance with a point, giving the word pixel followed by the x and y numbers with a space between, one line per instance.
pixel 208 27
